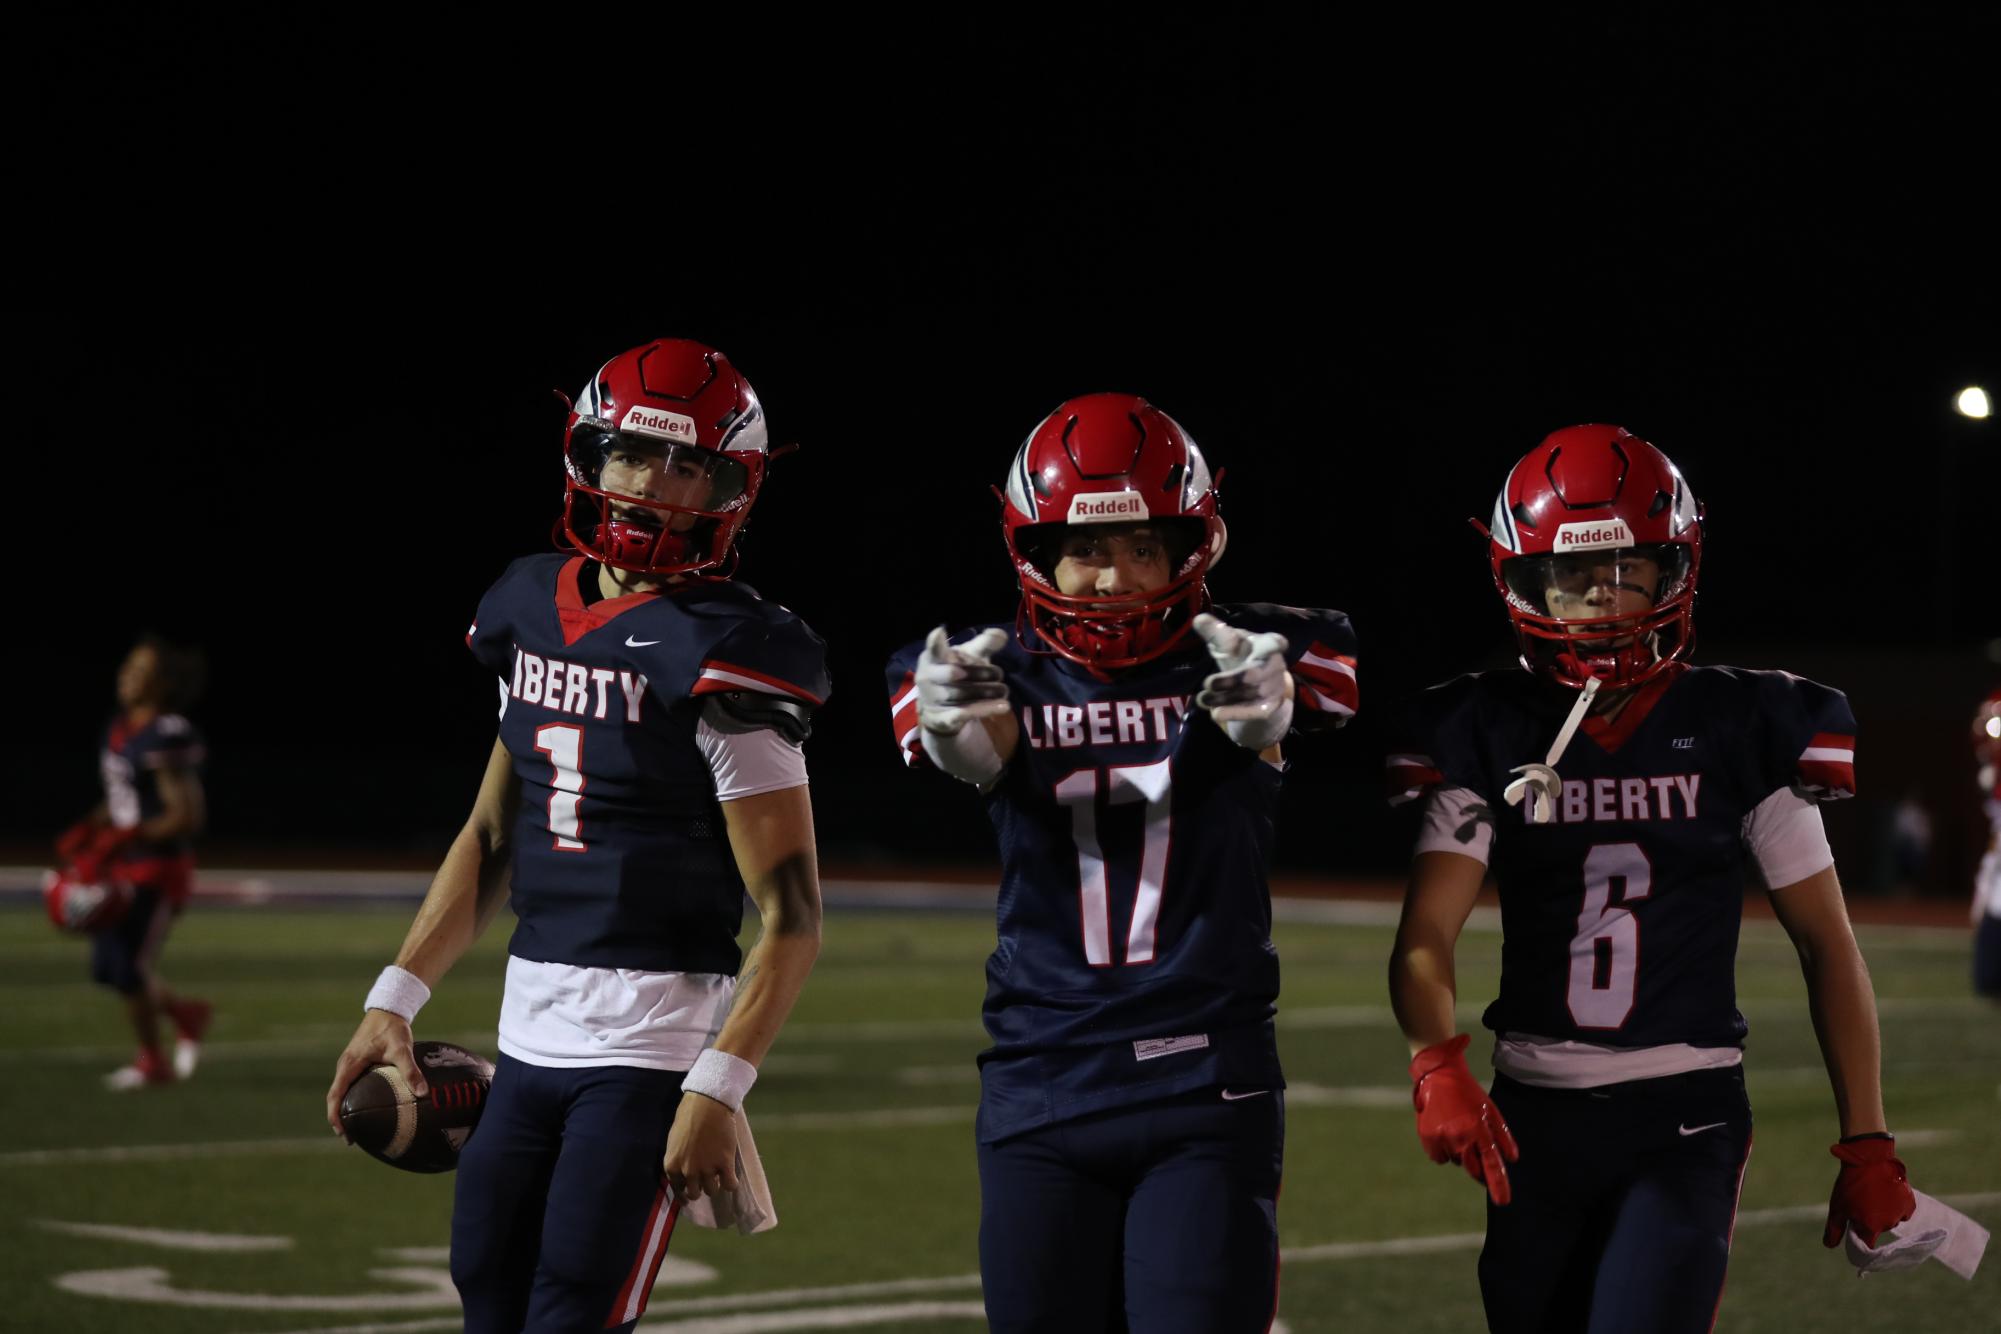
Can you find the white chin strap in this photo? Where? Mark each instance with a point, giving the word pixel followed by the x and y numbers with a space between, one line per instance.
pixel 1539 783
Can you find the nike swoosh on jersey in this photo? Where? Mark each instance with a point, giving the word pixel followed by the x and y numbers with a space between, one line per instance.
pixel 1697 1130
pixel 630 642
pixel 1239 1097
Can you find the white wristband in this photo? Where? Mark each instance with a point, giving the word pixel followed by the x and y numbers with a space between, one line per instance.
pixel 399 991
pixel 719 1075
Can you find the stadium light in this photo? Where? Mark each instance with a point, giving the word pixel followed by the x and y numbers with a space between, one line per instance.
pixel 1972 402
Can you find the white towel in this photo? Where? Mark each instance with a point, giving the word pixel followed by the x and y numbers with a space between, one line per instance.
pixel 748 1208
pixel 1934 1231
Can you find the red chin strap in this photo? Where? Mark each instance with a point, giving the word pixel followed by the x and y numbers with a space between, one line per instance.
pixel 1570 654
pixel 1109 641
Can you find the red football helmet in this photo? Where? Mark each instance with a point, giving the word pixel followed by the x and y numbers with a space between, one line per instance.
pixel 83 905
pixel 1102 459
pixel 1590 516
pixel 663 454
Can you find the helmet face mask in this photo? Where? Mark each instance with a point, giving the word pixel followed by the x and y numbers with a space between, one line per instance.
pixel 663 455
pixel 1115 465
pixel 1595 546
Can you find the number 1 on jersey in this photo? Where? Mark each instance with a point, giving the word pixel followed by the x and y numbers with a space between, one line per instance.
pixel 1126 783
pixel 563 743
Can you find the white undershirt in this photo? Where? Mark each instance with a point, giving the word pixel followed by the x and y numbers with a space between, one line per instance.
pixel 557 1014
pixel 1784 836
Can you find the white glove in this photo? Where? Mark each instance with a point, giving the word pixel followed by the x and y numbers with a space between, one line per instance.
pixel 1246 694
pixel 956 686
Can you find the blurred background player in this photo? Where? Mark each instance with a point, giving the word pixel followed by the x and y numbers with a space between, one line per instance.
pixel 649 770
pixel 1987 880
pixel 1126 738
pixel 143 833
pixel 1616 1138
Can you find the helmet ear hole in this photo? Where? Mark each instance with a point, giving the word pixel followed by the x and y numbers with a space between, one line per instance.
pixel 1217 541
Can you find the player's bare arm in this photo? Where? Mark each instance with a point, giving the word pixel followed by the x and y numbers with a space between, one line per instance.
pixel 185 809
pixel 771 835
pixel 468 889
pixel 1423 983
pixel 1839 995
pixel 1456 1122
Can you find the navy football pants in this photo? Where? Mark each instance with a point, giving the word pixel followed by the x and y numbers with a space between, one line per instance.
pixel 1160 1218
pixel 561 1218
pixel 123 956
pixel 1624 1199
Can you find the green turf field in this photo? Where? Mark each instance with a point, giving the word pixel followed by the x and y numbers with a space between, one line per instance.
pixel 864 1119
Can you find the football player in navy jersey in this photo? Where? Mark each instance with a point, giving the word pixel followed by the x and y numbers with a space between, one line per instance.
pixel 648 773
pixel 143 834
pixel 1621 797
pixel 1987 879
pixel 1126 737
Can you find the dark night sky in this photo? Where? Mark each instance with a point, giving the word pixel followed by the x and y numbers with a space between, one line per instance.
pixel 287 339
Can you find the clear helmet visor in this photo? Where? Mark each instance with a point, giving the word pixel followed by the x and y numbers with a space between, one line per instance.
pixel 1614 586
pixel 649 481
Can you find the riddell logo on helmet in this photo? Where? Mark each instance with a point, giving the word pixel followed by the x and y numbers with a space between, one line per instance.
pixel 1108 507
pixel 655 421
pixel 1593 536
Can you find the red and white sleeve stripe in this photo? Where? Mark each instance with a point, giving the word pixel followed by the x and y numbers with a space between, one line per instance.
pixel 718 676
pixel 903 719
pixel 1406 776
pixel 1326 681
pixel 1827 766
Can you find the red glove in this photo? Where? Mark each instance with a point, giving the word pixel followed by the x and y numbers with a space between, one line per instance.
pixel 1872 1194
pixel 1456 1122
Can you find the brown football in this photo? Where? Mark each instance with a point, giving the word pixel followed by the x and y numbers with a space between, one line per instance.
pixel 382 1115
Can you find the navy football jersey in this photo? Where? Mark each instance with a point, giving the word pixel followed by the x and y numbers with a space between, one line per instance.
pixel 1620 916
pixel 1135 957
pixel 129 764
pixel 621 857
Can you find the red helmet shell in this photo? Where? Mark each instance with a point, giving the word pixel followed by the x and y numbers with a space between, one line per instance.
pixel 1598 488
pixel 670 394
pixel 85 906
pixel 1109 458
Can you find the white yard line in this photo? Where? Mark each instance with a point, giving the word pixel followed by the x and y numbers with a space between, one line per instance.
pixel 1299 1096
pixel 873 1118
pixel 832 1318
pixel 166 1238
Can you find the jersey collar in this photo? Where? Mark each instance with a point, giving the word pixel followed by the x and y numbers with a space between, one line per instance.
pixel 575 617
pixel 1616 732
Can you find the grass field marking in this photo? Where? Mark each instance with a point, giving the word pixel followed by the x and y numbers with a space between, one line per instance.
pixel 155 1287
pixel 744 1301
pixel 1472 1241
pixel 962 1072
pixel 833 1317
pixel 882 1118
pixel 1343 1250
pixel 1369 1097
pixel 879 1118
pixel 167 1153
pixel 167 1240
